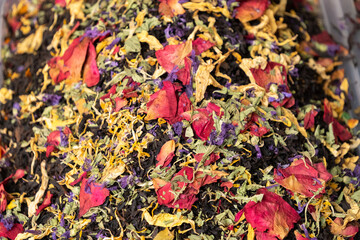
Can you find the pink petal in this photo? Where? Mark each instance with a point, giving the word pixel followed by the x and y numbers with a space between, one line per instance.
pixel 91 71
pixel 96 198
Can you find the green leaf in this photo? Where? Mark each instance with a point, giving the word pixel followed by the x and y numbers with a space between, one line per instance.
pixel 132 44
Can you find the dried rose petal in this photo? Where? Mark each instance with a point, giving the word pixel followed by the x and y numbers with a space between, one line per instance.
pixel 309 119
pixel 91 71
pixel 272 215
pixel 166 154
pixel 249 10
pixel 94 198
pixel 350 230
pixel 303 177
pixel 339 130
pixel 45 203
pixel 12 233
pixel 170 8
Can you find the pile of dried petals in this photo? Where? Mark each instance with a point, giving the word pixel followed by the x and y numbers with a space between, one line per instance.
pixel 175 119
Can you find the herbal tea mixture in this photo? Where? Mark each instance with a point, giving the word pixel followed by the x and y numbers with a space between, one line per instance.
pixel 175 119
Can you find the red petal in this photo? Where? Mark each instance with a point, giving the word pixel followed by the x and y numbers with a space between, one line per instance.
pixel 163 103
pixel 165 195
pixel 258 131
pixel 54 138
pixel 212 158
pixel 273 73
pixel 185 201
pixel 61 3
pixel 227 186
pixel 95 198
pixel 272 214
pixel 120 103
pixel 50 149
pixel 71 63
pixel 339 130
pixel 323 38
pixel 111 92
pixel 200 45
pixel 303 177
pixel 45 203
pixel 58 72
pixel 12 233
pixel 18 174
pixel 91 71
pixel 184 73
pixel 176 56
pixel 203 124
pixel 184 104
pixel 170 8
pixel 166 153
pixel 251 9
pixel 74 56
pixel 309 119
pixel 171 56
pixel 81 177
pixel 238 215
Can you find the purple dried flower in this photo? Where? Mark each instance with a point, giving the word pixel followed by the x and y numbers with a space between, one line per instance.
pixel 8 222
pixel 66 235
pixel 258 150
pixel 62 221
pixel 113 43
pixel 227 130
pixel 53 234
pixel 294 72
pixel 52 99
pixel 17 106
pixel 87 165
pixel 178 127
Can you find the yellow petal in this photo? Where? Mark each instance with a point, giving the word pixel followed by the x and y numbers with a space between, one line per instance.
pixel 5 94
pixel 31 43
pixel 165 235
pixel 154 43
pixel 167 220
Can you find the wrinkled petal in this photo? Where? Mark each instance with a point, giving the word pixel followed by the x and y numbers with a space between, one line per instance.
pixel 45 203
pixel 120 103
pixel 273 214
pixel 200 45
pixel 54 138
pixel 170 8
pixel 249 10
pixel 337 228
pixel 303 177
pixel 309 119
pixel 163 103
pixel 339 130
pixel 273 73
pixel 12 233
pixel 166 154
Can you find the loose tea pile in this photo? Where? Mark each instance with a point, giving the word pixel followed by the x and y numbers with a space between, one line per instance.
pixel 175 119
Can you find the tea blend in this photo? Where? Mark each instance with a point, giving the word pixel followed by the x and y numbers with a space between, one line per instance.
pixel 175 119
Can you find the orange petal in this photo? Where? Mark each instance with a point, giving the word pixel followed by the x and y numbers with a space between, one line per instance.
pixel 166 153
pixel 250 10
pixel 170 8
pixel 74 57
